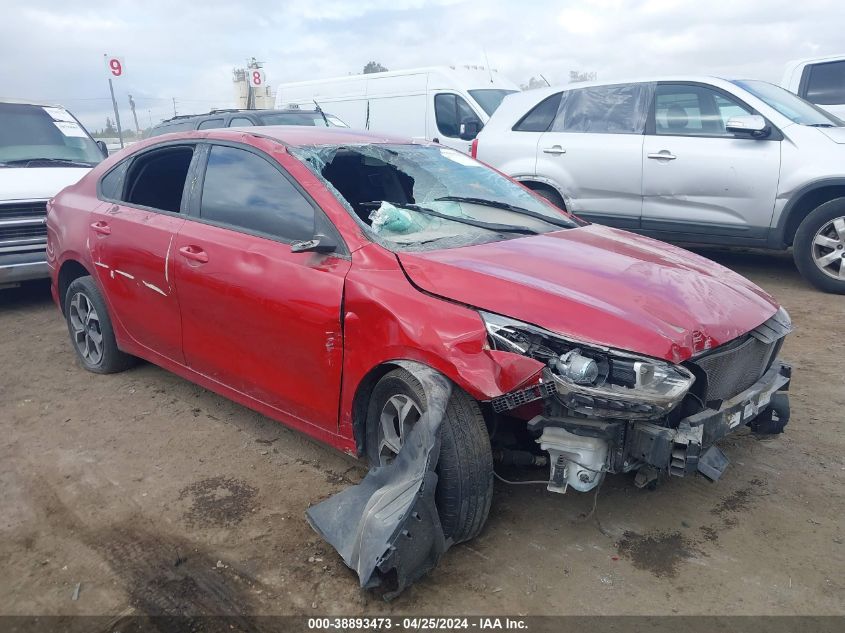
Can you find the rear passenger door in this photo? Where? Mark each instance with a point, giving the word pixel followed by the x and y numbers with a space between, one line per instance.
pixel 256 317
pixel 593 152
pixel 700 182
pixel 131 242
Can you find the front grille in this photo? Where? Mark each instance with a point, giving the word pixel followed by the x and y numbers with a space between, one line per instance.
pixel 731 369
pixel 23 210
pixel 22 232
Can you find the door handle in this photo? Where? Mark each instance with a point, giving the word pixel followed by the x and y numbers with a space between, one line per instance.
pixel 554 149
pixel 194 253
pixel 662 155
pixel 101 227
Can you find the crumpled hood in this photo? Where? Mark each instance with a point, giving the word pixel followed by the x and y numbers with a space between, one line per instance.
pixel 36 183
pixel 835 134
pixel 600 285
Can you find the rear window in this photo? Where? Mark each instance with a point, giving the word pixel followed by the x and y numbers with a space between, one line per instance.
pixel 312 119
pixel 826 83
pixel 181 126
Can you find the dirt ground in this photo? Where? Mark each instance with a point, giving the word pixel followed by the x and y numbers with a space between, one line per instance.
pixel 157 496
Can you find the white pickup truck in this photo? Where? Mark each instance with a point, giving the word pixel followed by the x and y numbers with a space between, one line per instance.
pixel 43 149
pixel 819 80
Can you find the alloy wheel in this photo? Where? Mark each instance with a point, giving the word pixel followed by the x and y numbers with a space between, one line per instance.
pixel 397 416
pixel 829 248
pixel 85 328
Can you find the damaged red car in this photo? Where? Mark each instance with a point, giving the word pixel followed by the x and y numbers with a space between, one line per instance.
pixel 310 273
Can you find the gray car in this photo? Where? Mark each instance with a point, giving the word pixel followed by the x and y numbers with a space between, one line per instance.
pixel 692 160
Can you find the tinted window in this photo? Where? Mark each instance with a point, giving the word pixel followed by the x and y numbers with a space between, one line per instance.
pixel 240 121
pixel 174 127
pixel 157 178
pixel 450 111
pixel 826 83
pixel 243 190
pixel 311 119
pixel 618 109
pixel 210 123
pixel 540 118
pixel 110 184
pixel 681 110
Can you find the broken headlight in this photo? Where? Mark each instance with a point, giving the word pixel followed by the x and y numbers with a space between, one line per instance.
pixel 593 380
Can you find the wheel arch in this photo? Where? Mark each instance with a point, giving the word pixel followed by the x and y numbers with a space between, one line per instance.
pixel 69 271
pixel 536 183
pixel 802 204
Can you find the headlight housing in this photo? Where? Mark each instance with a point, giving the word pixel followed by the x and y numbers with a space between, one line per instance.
pixel 593 380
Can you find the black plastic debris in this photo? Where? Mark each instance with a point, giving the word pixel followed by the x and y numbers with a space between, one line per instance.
pixel 387 528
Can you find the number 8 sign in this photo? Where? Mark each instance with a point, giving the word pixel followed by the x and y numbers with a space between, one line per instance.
pixel 256 77
pixel 114 66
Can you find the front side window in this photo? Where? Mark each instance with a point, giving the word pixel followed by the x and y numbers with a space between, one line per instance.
pixel 156 179
pixel 826 83
pixel 450 110
pixel 619 109
pixel 415 197
pixel 540 117
pixel 209 124
pixel 244 191
pixel 692 110
pixel 240 121
pixel 35 136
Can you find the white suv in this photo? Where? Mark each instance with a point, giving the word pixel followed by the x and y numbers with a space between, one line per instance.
pixel 695 160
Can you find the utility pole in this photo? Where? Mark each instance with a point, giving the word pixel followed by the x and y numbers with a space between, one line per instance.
pixel 174 106
pixel 114 104
pixel 134 116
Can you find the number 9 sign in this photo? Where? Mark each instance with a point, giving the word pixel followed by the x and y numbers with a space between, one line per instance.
pixel 256 77
pixel 114 66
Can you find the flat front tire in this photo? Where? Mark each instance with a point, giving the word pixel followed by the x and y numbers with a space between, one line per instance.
pixel 90 329
pixel 819 247
pixel 465 465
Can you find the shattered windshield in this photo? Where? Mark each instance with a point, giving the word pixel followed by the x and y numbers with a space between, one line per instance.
pixel 425 197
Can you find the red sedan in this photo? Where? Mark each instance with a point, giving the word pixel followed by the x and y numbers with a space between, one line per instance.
pixel 308 274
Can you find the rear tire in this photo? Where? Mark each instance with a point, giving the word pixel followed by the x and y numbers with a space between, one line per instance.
pixel 90 329
pixel 465 466
pixel 551 195
pixel 819 247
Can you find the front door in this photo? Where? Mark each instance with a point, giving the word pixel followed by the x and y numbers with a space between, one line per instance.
pixel 450 110
pixel 700 180
pixel 131 241
pixel 593 152
pixel 255 316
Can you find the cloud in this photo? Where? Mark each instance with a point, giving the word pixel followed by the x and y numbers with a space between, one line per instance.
pixel 53 50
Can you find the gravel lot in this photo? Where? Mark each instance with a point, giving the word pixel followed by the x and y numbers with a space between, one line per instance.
pixel 159 496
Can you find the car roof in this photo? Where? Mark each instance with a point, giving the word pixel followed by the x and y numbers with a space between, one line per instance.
pixel 182 118
pixel 300 135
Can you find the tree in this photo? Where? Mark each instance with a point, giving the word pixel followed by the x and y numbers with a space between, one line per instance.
pixel 534 83
pixel 576 76
pixel 373 67
pixel 110 130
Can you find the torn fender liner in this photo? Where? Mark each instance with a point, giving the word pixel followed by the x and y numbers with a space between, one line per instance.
pixel 387 528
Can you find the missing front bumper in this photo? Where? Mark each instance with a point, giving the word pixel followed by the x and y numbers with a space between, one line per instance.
pixel 681 451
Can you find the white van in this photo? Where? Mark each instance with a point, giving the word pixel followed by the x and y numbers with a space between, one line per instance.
pixel 43 149
pixel 819 80
pixel 447 104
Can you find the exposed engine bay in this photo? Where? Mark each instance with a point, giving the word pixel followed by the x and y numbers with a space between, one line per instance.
pixel 596 410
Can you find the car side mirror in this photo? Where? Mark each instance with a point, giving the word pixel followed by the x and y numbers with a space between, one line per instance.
pixel 318 244
pixel 752 125
pixel 103 148
pixel 469 129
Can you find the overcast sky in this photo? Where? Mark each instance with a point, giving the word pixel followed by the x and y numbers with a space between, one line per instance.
pixel 187 49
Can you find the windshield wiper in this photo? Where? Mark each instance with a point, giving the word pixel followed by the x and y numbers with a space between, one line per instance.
pixel 508 207
pixel 27 162
pixel 490 226
pixel 821 125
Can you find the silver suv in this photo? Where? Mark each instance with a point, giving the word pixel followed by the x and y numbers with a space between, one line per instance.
pixel 695 160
